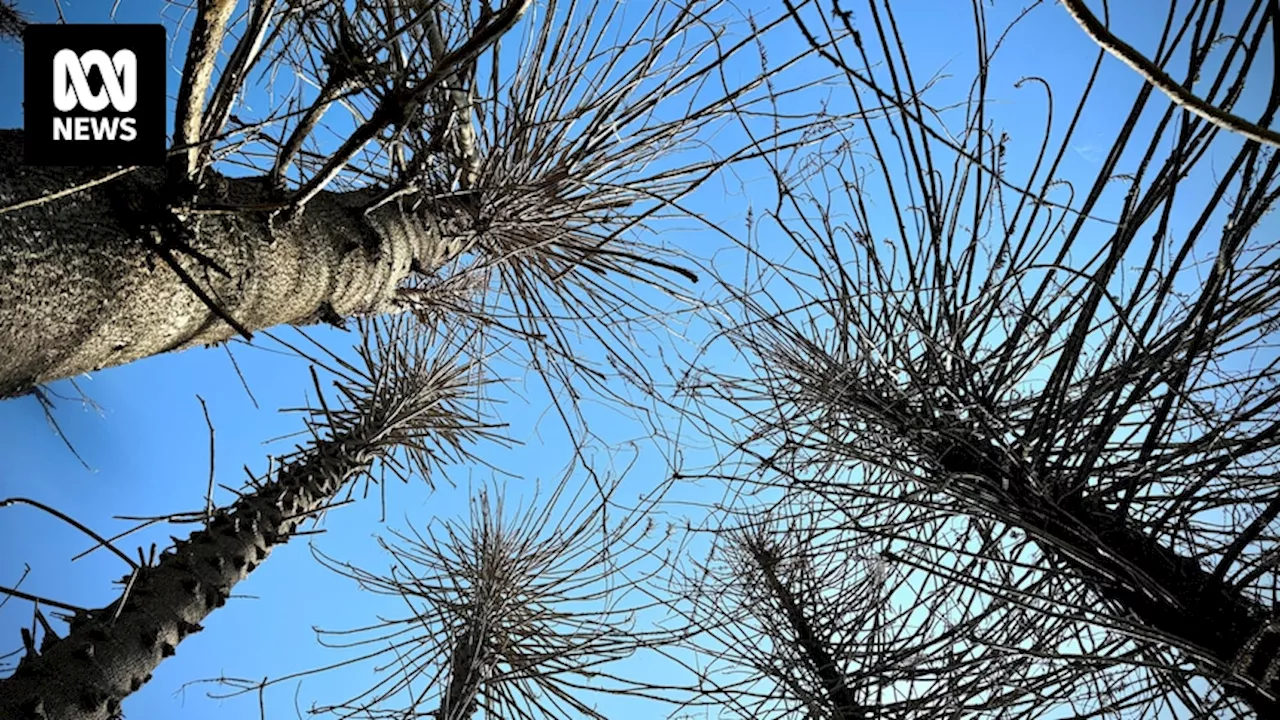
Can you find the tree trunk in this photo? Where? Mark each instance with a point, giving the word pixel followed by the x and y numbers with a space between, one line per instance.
pixel 111 652
pixel 839 696
pixel 83 286
pixel 1165 590
pixel 466 673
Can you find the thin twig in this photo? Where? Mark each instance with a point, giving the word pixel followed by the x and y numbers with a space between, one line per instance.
pixel 72 522
pixel 68 191
pixel 26 570
pixel 14 592
pixel 208 497
pixel 243 383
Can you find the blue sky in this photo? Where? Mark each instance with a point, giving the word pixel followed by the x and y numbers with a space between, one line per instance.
pixel 148 447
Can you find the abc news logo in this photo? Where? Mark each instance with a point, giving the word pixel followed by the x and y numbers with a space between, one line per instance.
pixel 71 90
pixel 94 94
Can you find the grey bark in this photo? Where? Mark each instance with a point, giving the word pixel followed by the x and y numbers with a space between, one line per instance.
pixel 83 288
pixel 111 652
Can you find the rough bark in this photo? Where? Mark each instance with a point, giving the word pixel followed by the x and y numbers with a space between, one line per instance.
pixel 1167 591
pixel 82 286
pixel 111 652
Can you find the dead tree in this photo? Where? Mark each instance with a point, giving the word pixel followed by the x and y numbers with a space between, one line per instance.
pixel 963 321
pixel 405 408
pixel 513 613
pixel 779 593
pixel 80 247
pixel 797 612
pixel 567 158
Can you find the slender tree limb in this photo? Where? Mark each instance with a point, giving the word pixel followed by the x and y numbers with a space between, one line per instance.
pixel 14 592
pixel 202 55
pixel 72 522
pixel 67 192
pixel 1161 81
pixel 231 82
pixel 458 107
pixel 333 88
pixel 842 698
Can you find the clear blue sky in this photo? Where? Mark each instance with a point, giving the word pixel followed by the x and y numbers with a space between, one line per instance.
pixel 148 448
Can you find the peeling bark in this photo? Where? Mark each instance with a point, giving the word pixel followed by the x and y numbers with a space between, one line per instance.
pixel 111 652
pixel 1168 592
pixel 83 288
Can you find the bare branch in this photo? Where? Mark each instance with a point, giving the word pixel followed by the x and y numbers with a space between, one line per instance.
pixel 1161 81
pixel 398 107
pixel 203 46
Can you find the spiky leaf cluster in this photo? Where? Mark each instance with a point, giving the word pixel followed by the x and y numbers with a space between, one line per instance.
pixel 518 614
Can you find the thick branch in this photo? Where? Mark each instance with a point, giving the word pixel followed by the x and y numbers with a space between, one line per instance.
pixel 840 697
pixel 466 671
pixel 202 55
pixel 231 82
pixel 1168 592
pixel 458 107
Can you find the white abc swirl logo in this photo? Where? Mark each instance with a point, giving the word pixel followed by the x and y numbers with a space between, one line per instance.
pixel 71 80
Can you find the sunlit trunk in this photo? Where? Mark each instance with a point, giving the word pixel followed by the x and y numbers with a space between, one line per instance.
pixel 83 287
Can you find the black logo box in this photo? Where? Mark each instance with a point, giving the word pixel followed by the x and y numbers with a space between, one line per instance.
pixel 41 43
